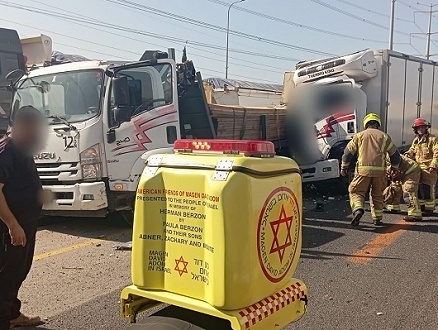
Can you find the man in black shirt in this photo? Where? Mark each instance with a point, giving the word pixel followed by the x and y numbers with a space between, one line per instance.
pixel 20 208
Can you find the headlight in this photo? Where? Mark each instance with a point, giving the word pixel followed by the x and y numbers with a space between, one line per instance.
pixel 91 163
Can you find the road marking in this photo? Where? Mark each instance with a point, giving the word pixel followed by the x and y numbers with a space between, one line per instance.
pixel 79 246
pixel 378 244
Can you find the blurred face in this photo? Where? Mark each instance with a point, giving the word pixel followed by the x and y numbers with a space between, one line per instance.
pixel 421 130
pixel 29 135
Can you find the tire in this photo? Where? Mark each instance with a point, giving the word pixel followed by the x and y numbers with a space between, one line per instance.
pixel 128 216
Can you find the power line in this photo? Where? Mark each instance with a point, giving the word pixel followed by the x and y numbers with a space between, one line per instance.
pixel 144 33
pixel 346 13
pixel 115 56
pixel 307 27
pixel 422 31
pixel 372 11
pixel 407 5
pixel 334 8
pixel 127 51
pixel 188 20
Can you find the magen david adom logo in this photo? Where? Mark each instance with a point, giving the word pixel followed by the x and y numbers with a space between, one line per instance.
pixel 278 233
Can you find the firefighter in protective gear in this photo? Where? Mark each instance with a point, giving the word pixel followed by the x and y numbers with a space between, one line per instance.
pixel 405 179
pixel 424 150
pixel 371 146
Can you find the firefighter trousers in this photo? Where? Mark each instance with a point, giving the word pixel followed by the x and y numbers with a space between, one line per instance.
pixel 358 188
pixel 408 185
pixel 427 189
pixel 15 264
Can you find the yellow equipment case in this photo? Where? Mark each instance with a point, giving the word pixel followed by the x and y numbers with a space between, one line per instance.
pixel 217 230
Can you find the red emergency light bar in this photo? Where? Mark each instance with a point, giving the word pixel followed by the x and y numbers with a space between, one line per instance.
pixel 246 147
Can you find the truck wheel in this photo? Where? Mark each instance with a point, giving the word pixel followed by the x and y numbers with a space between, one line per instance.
pixel 128 215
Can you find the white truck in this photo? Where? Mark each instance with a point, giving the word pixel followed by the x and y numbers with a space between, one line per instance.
pixel 105 118
pixel 396 86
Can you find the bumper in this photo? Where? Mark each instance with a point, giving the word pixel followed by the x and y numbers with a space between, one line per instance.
pixel 274 312
pixel 77 197
pixel 323 170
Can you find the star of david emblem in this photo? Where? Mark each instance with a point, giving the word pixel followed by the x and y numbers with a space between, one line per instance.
pixel 184 266
pixel 275 226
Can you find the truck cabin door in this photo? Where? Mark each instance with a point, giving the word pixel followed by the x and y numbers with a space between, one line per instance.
pixel 142 113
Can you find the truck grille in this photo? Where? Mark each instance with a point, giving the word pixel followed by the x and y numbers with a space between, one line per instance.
pixel 56 173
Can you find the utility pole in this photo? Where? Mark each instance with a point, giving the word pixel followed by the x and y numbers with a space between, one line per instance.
pixel 228 36
pixel 391 26
pixel 429 27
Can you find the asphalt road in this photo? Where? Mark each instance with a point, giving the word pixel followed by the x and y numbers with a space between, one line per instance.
pixel 365 278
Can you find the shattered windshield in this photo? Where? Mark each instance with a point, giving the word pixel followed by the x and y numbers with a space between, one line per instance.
pixel 68 96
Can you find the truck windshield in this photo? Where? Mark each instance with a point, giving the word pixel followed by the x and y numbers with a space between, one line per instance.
pixel 73 96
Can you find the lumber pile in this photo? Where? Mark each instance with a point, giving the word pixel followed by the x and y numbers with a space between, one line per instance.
pixel 244 123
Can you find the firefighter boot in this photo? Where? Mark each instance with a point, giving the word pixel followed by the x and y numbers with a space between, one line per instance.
pixel 377 222
pixel 411 218
pixel 357 215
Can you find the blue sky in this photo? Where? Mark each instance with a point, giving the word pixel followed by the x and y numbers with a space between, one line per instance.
pixel 362 24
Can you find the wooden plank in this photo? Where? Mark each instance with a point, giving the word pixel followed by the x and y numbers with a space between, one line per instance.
pixel 232 121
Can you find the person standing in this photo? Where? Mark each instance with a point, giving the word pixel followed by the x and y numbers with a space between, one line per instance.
pixel 405 179
pixel 424 150
pixel 371 146
pixel 21 199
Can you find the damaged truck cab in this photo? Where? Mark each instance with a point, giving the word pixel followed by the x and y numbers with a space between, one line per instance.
pixel 217 237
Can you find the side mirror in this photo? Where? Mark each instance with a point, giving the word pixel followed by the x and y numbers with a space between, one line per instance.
pixel 122 112
pixel 15 75
pixel 121 91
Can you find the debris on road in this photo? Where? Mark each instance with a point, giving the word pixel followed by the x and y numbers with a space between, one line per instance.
pixel 379 313
pixel 125 246
pixel 319 207
pixel 98 244
pixel 74 268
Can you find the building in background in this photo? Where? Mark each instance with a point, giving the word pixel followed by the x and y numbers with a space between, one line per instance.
pixel 243 93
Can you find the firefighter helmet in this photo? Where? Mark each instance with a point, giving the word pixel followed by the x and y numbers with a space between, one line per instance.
pixel 371 117
pixel 420 122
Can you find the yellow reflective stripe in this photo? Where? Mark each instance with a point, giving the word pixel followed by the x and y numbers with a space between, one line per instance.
pixel 359 149
pixel 377 214
pixel 390 146
pixel 371 168
pixel 415 214
pixel 391 207
pixel 356 205
pixel 435 147
pixel 352 146
pixel 385 148
pixel 412 168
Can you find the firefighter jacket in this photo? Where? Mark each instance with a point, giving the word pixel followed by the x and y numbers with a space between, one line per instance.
pixel 371 146
pixel 424 150
pixel 406 167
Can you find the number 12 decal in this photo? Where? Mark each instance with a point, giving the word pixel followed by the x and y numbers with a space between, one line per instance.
pixel 69 142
